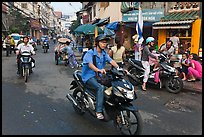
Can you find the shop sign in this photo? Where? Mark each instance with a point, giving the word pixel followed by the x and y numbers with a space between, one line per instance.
pixel 150 15
pixel 35 24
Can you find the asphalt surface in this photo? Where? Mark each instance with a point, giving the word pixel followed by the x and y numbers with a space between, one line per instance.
pixel 40 107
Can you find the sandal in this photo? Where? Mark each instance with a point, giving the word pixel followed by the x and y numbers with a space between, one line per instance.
pixel 144 89
pixel 191 80
pixel 99 115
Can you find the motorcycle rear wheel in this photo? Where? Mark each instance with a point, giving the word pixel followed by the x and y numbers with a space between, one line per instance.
pixel 133 124
pixel 78 95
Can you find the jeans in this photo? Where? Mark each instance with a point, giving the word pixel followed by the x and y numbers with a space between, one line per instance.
pixel 92 82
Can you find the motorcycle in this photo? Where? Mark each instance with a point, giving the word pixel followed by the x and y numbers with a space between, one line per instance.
pixel 25 65
pixel 167 75
pixel 117 104
pixel 45 47
pixel 54 40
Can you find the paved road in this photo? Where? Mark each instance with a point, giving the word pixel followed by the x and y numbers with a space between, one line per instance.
pixel 39 107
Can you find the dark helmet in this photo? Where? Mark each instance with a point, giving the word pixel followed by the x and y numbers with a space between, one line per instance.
pixel 101 37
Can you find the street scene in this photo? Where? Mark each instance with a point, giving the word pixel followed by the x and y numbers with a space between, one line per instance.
pixel 88 70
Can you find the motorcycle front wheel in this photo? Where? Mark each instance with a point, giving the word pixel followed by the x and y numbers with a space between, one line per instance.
pixel 129 122
pixel 174 85
pixel 26 73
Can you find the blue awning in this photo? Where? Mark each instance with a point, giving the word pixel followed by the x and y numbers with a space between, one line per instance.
pixel 113 25
pixel 109 32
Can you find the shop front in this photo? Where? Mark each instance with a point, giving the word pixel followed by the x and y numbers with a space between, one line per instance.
pixel 185 24
pixel 129 19
pixel 35 30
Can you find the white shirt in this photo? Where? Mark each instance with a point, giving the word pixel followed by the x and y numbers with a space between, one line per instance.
pixel 21 47
pixel 169 51
pixel 175 41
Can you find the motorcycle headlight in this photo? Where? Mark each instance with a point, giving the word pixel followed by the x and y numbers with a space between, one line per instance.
pixel 128 93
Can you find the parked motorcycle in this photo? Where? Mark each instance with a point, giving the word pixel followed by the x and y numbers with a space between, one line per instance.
pixel 45 47
pixel 25 65
pixel 167 75
pixel 117 105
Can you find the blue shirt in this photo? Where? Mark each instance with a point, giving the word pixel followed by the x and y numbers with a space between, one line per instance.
pixel 101 60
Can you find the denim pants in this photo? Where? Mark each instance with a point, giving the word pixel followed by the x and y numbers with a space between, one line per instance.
pixel 92 82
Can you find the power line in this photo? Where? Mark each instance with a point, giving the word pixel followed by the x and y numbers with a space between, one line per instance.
pixel 72 6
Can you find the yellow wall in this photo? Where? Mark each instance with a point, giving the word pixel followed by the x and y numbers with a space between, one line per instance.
pixel 112 11
pixel 195 39
pixel 161 37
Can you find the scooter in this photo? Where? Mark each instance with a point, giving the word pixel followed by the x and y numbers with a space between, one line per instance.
pixel 167 75
pixel 119 94
pixel 25 65
pixel 45 46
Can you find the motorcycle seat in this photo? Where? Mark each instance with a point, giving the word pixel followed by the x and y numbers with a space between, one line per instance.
pixel 139 63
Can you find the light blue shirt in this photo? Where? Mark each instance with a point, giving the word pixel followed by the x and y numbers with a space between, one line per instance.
pixel 101 60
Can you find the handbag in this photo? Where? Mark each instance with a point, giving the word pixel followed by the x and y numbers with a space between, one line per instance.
pixel 103 79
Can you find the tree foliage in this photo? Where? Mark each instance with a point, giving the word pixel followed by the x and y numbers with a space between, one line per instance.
pixel 18 22
pixel 74 25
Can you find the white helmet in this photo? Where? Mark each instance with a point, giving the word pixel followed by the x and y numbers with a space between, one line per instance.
pixel 149 39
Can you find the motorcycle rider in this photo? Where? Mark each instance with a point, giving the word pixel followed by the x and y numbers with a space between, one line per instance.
pixel 145 60
pixel 21 47
pixel 47 41
pixel 89 70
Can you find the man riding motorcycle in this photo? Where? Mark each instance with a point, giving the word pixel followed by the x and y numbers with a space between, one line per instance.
pixel 89 70
pixel 22 47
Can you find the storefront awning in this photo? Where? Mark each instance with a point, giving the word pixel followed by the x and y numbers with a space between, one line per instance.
pixel 172 27
pixel 180 16
pixel 173 22
pixel 176 20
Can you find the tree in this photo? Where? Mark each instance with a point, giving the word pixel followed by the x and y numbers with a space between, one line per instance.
pixel 18 22
pixel 75 24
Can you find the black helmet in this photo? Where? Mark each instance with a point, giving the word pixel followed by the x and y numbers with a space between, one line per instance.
pixel 101 37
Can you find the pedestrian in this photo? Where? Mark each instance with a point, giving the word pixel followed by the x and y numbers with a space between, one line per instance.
pixel 89 70
pixel 195 68
pixel 137 48
pixel 184 64
pixel 176 41
pixel 117 52
pixel 145 60
pixel 12 44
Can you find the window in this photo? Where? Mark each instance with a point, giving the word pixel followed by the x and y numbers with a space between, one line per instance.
pixel 24 5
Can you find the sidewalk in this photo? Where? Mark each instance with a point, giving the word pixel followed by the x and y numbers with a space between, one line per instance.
pixel 187 86
pixel 193 86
